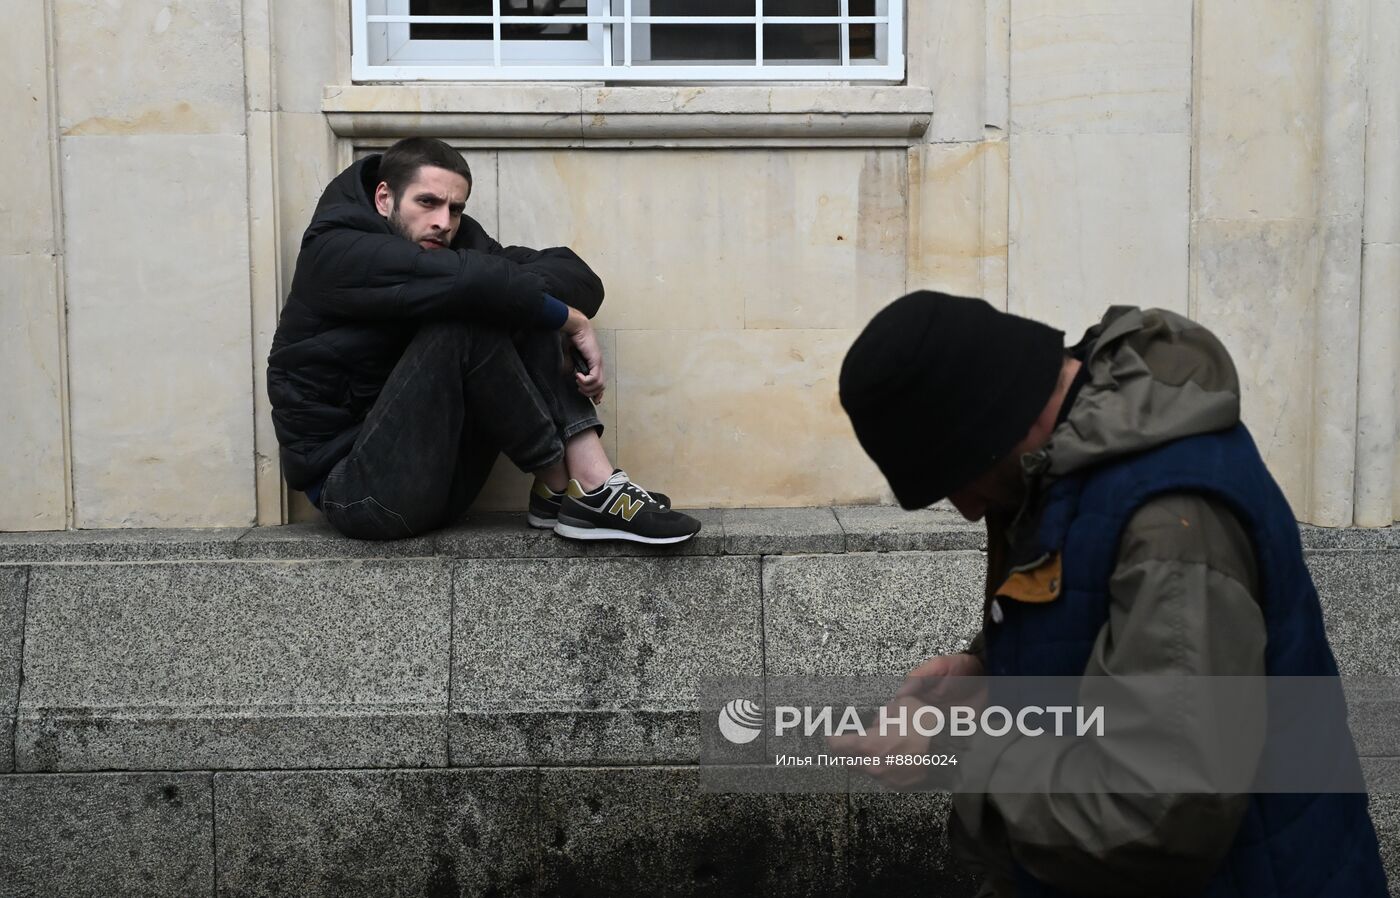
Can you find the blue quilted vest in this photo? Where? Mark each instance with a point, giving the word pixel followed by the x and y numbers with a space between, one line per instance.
pixel 1303 845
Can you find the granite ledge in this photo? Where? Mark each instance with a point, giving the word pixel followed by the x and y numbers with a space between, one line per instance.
pixel 730 531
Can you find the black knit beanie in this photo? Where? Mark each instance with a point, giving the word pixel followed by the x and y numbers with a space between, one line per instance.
pixel 939 388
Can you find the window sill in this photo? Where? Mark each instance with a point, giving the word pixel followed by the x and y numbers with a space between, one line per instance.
pixel 561 115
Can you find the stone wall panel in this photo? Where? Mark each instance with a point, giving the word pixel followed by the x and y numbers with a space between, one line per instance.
pixel 740 418
pixel 718 240
pixel 631 832
pixel 1259 85
pixel 1253 286
pixel 31 406
pixel 26 204
pixel 947 52
pixel 311 50
pixel 957 230
pixel 1119 66
pixel 1378 399
pixel 158 330
pixel 343 834
pixel 829 615
pixel 608 671
pixel 207 664
pixel 1097 220
pixel 266 301
pixel 149 67
pixel 107 835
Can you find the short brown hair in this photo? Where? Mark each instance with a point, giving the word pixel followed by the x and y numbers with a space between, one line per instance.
pixel 400 163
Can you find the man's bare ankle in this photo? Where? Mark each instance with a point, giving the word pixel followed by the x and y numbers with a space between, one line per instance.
pixel 591 484
pixel 555 477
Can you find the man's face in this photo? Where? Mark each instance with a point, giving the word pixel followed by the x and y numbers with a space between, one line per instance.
pixel 1002 488
pixel 430 210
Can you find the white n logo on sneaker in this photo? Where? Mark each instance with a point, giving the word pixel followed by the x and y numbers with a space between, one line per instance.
pixel 626 506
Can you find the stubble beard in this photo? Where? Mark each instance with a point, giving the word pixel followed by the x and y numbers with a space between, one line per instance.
pixel 396 222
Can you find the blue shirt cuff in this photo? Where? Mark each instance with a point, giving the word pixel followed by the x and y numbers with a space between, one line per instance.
pixel 552 314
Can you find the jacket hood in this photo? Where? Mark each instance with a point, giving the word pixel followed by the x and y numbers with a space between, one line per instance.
pixel 1154 376
pixel 348 200
pixel 354 186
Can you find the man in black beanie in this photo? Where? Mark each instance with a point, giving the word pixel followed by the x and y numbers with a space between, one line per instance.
pixel 1127 512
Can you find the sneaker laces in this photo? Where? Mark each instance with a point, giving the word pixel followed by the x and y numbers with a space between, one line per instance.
pixel 625 483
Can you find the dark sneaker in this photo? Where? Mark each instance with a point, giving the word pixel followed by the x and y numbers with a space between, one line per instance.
pixel 619 509
pixel 544 505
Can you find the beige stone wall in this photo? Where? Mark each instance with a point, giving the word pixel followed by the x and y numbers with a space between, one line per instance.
pixel 1231 161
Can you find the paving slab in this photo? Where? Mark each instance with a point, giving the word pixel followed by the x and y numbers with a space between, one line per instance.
pixel 107 835
pixel 235 665
pixel 317 539
pixel 597 661
pixel 886 528
pixel 13 582
pixel 1385 815
pixel 608 734
pixel 899 846
pixel 342 834
pixel 781 531
pixel 77 546
pixel 868 614
pixel 1360 594
pixel 1350 539
pixel 629 831
pixel 506 535
pixel 1383 783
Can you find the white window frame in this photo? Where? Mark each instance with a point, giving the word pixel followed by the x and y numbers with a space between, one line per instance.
pixel 382 50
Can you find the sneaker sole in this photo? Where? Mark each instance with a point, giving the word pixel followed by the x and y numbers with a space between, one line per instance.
pixel 595 533
pixel 540 523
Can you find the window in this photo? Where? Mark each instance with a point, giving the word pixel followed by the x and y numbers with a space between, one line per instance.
pixel 628 40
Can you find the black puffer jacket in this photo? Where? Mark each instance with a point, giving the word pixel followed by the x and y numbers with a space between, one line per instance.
pixel 360 292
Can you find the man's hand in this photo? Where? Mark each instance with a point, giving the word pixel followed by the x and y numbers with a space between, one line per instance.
pixel 583 338
pixel 931 683
pixel 941 681
pixel 893 742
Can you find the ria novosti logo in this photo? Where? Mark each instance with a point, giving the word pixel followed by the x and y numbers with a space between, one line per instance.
pixel 740 721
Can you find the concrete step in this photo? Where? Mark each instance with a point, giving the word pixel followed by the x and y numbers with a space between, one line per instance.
pixel 489 710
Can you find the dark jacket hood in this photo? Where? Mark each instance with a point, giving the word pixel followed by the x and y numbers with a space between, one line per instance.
pixel 348 201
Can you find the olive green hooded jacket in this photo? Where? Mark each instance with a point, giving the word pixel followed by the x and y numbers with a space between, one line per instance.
pixel 1183 602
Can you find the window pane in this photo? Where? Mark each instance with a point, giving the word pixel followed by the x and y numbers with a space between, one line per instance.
pixel 802 43
pixel 424 32
pixel 543 32
pixel 544 8
pixel 698 7
pixel 801 8
pixel 863 41
pixel 695 44
pixel 863 36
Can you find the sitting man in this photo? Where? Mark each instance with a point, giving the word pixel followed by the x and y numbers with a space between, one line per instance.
pixel 1133 533
pixel 414 348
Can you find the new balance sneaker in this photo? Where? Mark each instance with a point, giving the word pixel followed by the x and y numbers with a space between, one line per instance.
pixel 619 509
pixel 544 505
